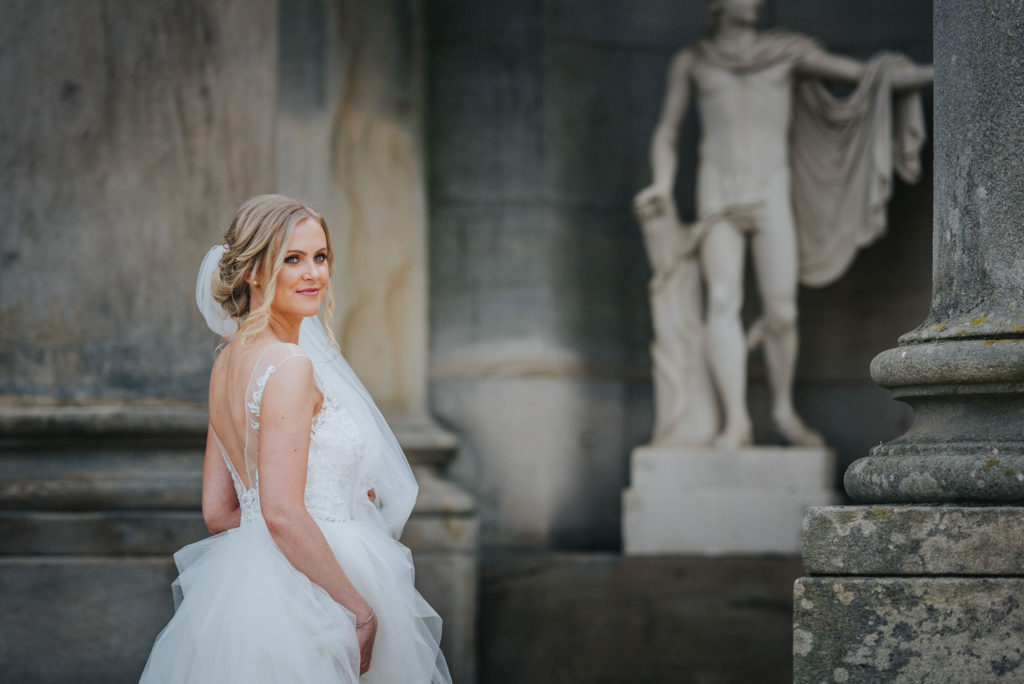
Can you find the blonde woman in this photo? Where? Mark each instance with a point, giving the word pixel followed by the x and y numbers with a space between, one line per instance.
pixel 304 487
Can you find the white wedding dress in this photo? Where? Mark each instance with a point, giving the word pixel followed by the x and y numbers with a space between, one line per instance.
pixel 244 613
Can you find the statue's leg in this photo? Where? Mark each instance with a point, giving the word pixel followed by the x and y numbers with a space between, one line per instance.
pixel 722 254
pixel 775 255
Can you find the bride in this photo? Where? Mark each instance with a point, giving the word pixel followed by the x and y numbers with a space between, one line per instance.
pixel 305 489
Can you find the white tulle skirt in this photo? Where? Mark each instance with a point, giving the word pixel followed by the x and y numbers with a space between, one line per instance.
pixel 245 614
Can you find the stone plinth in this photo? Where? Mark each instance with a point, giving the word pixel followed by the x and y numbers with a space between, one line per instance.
pixel 914 540
pixel 698 500
pixel 910 593
pixel 908 629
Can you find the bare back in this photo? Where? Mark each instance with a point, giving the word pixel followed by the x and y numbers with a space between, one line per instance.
pixel 235 392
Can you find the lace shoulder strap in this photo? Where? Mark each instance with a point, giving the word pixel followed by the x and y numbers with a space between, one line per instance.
pixel 271 359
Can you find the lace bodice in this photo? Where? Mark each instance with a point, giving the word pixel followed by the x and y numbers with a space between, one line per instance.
pixel 336 448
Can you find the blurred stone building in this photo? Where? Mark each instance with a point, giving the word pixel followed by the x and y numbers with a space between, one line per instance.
pixel 476 161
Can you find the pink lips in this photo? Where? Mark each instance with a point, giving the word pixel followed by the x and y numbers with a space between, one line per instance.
pixel 310 292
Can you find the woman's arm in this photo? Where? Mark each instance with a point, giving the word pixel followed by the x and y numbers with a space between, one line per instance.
pixel 220 503
pixel 286 414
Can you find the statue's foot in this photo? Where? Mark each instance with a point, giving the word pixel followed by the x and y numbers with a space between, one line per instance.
pixel 796 432
pixel 734 437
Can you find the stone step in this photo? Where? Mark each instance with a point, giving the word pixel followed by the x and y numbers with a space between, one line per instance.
pixel 95 533
pixel 100 479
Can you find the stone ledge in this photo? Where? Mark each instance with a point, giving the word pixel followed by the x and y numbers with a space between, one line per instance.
pixel 908 629
pixel 101 479
pixel 47 422
pixel 914 540
pixel 35 533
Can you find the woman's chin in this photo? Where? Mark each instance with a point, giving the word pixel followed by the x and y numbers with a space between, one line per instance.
pixel 304 311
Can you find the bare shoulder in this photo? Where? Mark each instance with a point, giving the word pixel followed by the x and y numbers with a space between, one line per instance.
pixel 291 381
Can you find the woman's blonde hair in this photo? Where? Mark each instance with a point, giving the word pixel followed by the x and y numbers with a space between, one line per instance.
pixel 256 244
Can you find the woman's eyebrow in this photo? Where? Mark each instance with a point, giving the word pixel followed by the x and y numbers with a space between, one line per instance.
pixel 299 251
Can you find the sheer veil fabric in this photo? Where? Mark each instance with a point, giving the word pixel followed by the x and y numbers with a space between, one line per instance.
pixel 385 467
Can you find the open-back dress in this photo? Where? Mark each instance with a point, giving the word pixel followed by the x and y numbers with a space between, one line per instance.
pixel 244 613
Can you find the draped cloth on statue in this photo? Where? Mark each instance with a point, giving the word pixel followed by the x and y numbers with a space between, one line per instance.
pixel 838 162
pixel 842 151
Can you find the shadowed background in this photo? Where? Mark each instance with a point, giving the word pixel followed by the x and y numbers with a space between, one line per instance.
pixel 476 162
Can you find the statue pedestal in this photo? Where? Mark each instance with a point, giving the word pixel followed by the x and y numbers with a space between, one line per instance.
pixel 704 501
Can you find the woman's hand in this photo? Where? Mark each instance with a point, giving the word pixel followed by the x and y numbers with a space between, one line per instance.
pixel 366 632
pixel 372 496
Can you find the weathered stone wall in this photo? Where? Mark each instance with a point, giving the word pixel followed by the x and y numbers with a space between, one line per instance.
pixel 349 141
pixel 129 134
pixel 540 115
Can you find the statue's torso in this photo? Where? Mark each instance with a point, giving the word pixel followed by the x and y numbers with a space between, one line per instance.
pixel 745 117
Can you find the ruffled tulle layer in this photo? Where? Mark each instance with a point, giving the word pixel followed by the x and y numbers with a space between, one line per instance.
pixel 245 614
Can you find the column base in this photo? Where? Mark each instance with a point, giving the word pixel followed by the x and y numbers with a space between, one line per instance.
pixel 704 501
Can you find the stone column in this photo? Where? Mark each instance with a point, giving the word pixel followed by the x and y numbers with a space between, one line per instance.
pixel 921 581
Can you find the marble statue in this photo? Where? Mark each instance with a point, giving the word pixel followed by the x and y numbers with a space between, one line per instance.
pixel 800 175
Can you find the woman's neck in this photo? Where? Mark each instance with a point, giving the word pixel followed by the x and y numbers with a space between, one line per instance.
pixel 285 329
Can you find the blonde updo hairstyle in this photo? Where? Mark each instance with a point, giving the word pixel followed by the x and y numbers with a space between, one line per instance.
pixel 255 250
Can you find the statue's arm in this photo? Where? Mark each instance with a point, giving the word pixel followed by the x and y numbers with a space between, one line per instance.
pixel 665 140
pixel 821 64
pixel 913 77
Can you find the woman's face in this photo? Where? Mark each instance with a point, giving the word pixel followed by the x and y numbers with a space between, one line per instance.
pixel 305 273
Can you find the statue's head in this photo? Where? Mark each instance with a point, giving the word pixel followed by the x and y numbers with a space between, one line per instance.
pixel 736 11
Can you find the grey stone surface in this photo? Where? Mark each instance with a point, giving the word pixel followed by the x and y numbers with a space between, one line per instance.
pixel 129 136
pixel 979 193
pixel 914 540
pixel 975 366
pixel 98 533
pixel 933 471
pixel 100 478
pixel 559 483
pixel 908 629
pixel 82 620
pixel 164 421
pixel 449 581
pixel 603 619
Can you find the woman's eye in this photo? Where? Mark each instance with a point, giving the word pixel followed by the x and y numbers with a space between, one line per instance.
pixel 320 258
pixel 291 260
